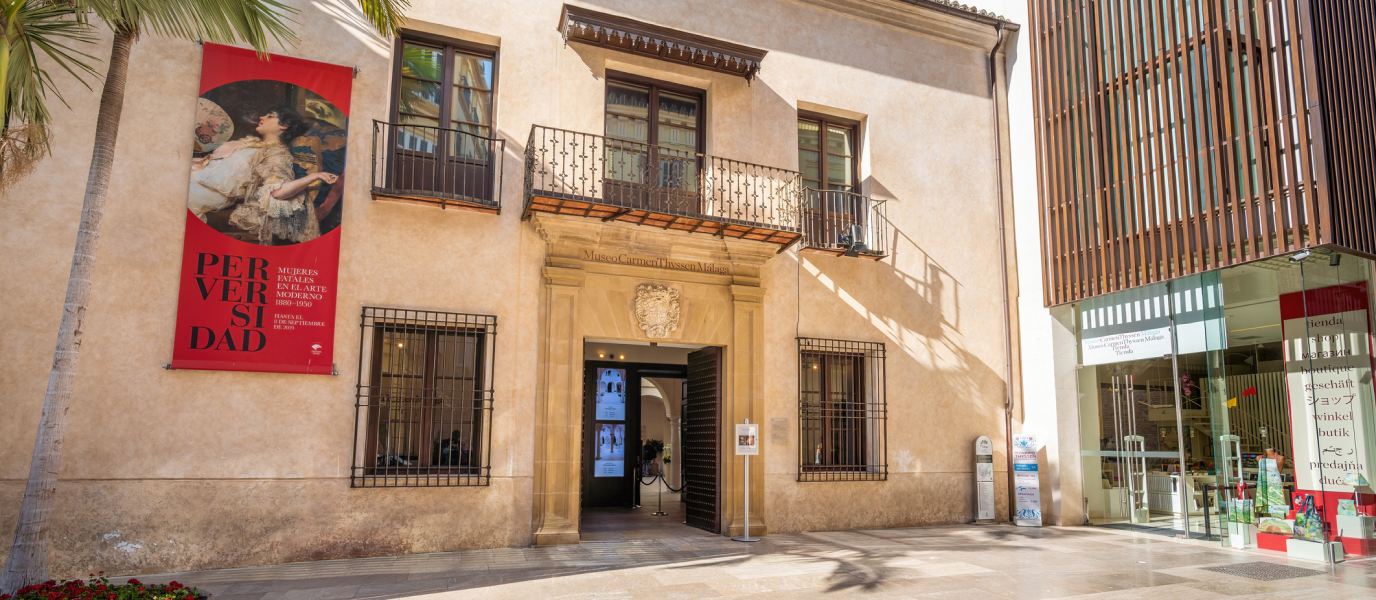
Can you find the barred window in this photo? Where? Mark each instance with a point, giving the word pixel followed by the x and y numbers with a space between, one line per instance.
pixel 842 414
pixel 424 401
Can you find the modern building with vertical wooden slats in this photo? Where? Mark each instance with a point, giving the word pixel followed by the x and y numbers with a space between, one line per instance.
pixel 1207 224
pixel 1175 137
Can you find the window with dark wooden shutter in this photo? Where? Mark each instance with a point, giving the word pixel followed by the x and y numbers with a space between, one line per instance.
pixel 842 414
pixel 424 399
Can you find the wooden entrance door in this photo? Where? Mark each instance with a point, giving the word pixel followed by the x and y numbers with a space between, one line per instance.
pixel 702 439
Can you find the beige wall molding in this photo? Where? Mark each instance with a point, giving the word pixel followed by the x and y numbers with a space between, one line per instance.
pixel 414 24
pixel 558 428
pixel 624 34
pixel 927 18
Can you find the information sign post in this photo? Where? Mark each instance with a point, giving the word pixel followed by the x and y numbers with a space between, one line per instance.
pixel 984 478
pixel 1028 492
pixel 747 444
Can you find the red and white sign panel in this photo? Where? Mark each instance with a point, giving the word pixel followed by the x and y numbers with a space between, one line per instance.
pixel 1328 371
pixel 260 260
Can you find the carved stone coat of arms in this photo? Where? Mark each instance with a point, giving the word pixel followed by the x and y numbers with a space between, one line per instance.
pixel 656 309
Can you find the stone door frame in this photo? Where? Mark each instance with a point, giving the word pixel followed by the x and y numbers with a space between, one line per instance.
pixel 567 303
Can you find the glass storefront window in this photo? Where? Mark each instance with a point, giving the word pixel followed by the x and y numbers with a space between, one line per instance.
pixel 1191 390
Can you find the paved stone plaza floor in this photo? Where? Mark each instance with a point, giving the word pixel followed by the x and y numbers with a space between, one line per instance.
pixel 630 554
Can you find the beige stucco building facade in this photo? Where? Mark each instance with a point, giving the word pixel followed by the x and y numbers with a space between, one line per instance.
pixel 172 470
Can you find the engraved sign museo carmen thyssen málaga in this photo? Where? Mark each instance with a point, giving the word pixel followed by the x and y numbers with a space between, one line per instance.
pixel 656 309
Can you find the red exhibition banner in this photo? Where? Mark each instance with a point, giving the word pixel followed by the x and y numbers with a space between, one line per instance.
pixel 260 261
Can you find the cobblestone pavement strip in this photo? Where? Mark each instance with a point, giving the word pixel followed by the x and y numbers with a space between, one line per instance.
pixel 951 562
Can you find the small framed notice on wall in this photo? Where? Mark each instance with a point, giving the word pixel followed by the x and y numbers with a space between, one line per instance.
pixel 778 430
pixel 747 439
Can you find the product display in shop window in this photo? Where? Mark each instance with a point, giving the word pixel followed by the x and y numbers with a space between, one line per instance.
pixel 1309 522
pixel 1347 508
pixel 1276 525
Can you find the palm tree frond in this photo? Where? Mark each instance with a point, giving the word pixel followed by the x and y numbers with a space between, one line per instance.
pixel 51 32
pixel 253 22
pixel 22 146
pixel 385 15
pixel 37 27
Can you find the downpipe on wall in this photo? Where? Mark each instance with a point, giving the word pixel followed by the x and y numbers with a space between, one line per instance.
pixel 1003 270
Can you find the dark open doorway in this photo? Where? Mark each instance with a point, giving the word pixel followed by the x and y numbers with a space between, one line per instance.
pixel 634 417
pixel 612 429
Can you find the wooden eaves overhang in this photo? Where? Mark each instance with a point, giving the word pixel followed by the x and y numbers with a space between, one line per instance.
pixel 644 39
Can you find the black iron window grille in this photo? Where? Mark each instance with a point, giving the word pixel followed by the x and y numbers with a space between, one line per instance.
pixel 424 402
pixel 842 414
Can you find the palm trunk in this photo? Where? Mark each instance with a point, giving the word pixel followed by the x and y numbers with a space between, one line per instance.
pixel 28 559
pixel 4 74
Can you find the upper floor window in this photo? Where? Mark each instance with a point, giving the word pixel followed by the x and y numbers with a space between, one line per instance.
pixel 442 142
pixel 831 207
pixel 444 87
pixel 827 154
pixel 632 109
pixel 661 126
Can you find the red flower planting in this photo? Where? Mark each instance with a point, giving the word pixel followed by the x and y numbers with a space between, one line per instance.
pixel 98 587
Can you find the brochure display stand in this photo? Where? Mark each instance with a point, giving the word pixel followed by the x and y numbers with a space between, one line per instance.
pixel 1240 533
pixel 747 444
pixel 984 479
pixel 1026 482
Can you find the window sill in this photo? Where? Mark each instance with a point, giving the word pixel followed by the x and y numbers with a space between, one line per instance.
pixel 825 474
pixel 443 201
pixel 425 480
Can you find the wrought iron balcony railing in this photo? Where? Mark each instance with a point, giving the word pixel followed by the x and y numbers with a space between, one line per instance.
pixel 834 221
pixel 594 176
pixel 433 165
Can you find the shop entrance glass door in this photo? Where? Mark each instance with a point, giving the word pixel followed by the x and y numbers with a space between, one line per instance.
pixel 1135 458
pixel 1128 496
pixel 1143 419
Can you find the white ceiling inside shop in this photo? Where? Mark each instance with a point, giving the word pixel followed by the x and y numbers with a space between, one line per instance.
pixel 1250 306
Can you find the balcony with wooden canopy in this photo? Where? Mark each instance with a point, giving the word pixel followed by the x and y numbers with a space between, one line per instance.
pixel 592 176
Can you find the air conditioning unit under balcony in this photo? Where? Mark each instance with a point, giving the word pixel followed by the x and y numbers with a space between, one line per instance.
pixel 854 241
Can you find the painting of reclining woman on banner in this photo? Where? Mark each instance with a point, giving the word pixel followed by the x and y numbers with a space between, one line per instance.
pixel 268 162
